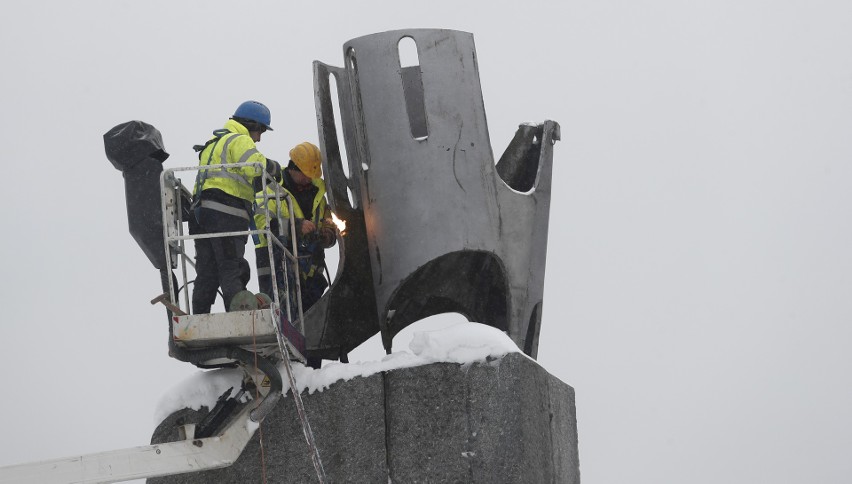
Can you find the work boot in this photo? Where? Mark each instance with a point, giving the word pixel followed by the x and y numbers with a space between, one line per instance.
pixel 244 301
pixel 263 301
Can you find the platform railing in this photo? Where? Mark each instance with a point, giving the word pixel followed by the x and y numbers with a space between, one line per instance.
pixel 175 238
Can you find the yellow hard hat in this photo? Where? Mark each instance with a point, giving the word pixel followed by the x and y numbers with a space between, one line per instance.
pixel 308 158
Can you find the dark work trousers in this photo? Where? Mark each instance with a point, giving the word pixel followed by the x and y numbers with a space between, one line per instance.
pixel 313 289
pixel 264 277
pixel 219 262
pixel 311 264
pixel 264 271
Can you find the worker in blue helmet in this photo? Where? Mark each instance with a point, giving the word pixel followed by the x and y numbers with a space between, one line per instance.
pixel 223 201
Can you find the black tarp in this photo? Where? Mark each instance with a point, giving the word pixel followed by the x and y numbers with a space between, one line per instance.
pixel 136 149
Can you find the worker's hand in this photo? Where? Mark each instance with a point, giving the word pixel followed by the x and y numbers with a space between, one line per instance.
pixel 308 227
pixel 328 236
pixel 327 222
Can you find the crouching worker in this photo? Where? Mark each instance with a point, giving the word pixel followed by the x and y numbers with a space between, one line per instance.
pixel 222 202
pixel 315 232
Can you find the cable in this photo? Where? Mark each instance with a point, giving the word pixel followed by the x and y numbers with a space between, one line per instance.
pixel 257 396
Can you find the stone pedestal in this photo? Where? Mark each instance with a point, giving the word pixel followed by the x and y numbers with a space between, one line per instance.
pixel 503 421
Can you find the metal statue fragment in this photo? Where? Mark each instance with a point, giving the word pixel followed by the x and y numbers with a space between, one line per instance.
pixel 434 225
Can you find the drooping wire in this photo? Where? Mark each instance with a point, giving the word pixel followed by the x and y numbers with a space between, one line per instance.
pixel 297 399
pixel 257 398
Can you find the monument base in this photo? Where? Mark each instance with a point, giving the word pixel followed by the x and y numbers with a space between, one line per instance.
pixel 504 421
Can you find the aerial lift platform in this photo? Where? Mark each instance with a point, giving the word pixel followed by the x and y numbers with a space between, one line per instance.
pixel 257 337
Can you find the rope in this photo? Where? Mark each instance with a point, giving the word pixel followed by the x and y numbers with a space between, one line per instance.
pixel 257 398
pixel 300 407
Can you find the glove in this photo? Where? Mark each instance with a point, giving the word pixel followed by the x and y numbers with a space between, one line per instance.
pixel 273 168
pixel 328 236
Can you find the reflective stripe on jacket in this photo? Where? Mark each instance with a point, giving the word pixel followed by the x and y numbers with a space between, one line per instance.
pixel 236 146
pixel 319 211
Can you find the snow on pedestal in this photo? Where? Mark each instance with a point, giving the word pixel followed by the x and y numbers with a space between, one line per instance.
pixel 464 406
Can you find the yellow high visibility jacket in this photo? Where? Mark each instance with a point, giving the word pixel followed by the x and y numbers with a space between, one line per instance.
pixel 235 146
pixel 319 210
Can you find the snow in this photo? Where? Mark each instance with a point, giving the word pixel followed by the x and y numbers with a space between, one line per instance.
pixel 463 343
pixel 199 390
pixel 251 425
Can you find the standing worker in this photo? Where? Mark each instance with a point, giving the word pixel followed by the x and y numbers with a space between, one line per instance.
pixel 223 202
pixel 315 231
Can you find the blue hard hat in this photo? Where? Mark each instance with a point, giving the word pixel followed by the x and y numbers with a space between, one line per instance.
pixel 254 111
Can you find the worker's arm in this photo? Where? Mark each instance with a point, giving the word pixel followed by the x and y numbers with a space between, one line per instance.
pixel 327 228
pixel 273 168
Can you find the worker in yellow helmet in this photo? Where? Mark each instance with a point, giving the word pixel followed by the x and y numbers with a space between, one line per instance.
pixel 223 202
pixel 315 232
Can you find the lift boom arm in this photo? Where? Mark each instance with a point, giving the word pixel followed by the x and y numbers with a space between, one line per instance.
pixel 190 455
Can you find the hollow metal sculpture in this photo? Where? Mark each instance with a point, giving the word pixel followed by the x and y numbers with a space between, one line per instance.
pixel 435 225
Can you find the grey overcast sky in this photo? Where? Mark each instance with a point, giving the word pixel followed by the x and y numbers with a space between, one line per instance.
pixel 697 293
